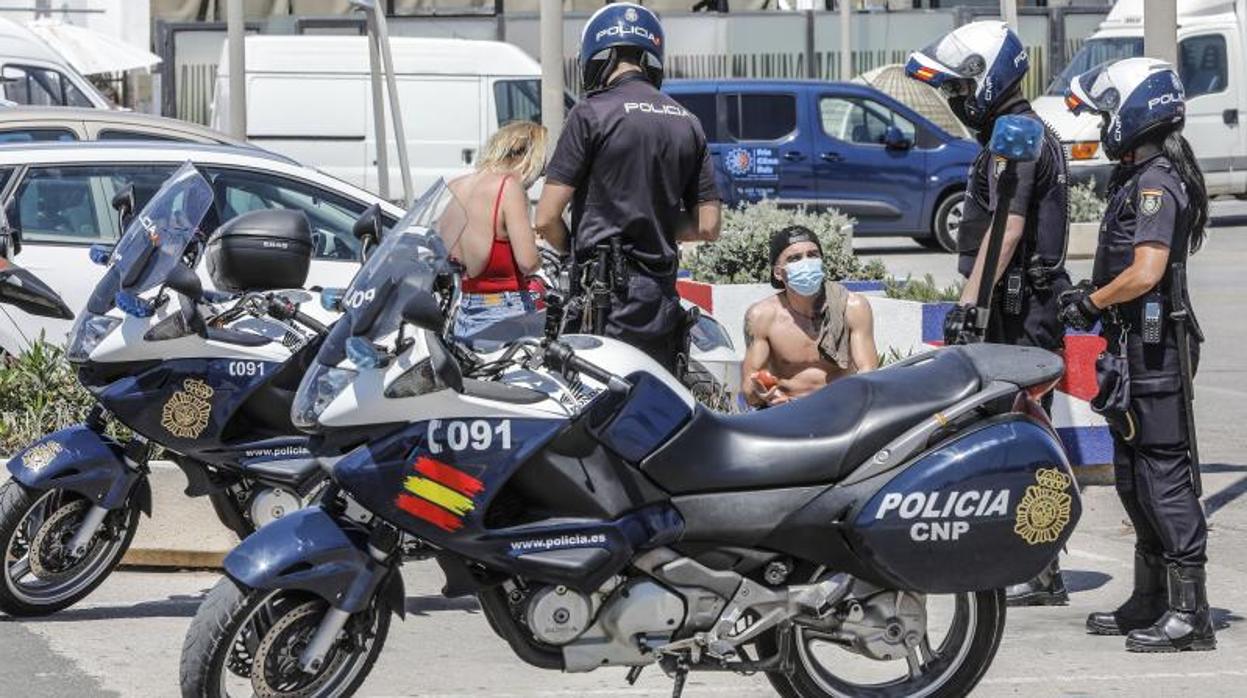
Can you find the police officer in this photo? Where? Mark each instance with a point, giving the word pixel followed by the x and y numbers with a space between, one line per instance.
pixel 635 168
pixel 979 68
pixel 1157 210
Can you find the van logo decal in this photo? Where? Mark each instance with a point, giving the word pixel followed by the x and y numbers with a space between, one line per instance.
pixel 186 413
pixel 38 457
pixel 1044 511
pixel 738 162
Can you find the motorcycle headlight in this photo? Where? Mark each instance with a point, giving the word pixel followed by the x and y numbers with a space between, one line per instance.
pixel 320 386
pixel 87 334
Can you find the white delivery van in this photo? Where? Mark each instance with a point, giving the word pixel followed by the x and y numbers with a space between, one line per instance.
pixel 33 74
pixel 1211 63
pixel 309 97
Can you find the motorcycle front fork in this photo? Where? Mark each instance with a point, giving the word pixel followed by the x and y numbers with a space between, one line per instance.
pixel 136 454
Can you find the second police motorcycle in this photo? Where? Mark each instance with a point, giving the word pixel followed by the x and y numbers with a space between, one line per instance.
pixel 854 543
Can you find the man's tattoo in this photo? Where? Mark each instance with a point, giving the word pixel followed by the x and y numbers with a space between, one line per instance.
pixel 748 331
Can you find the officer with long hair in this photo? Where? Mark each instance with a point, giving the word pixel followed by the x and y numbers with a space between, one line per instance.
pixel 1157 210
pixel 979 68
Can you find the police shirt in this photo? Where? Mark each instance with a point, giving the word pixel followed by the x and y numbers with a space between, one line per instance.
pixel 640 166
pixel 1042 197
pixel 1147 207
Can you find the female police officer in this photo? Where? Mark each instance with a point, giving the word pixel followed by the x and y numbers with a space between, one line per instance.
pixel 1156 214
pixel 979 68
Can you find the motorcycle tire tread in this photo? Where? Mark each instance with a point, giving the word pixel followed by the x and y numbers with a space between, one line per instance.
pixel 16 500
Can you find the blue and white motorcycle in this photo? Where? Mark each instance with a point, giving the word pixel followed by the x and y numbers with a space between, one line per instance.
pixel 208 376
pixel 853 543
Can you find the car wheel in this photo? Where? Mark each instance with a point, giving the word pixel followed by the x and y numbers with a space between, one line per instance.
pixel 946 223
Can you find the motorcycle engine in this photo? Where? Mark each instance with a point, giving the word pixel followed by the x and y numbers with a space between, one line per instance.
pixel 271 503
pixel 557 615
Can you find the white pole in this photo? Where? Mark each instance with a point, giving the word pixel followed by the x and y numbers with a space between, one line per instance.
pixel 1160 31
pixel 551 31
pixel 391 82
pixel 378 114
pixel 846 39
pixel 1009 13
pixel 235 34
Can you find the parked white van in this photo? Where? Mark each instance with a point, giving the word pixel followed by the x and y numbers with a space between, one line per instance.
pixel 33 74
pixel 309 97
pixel 1211 55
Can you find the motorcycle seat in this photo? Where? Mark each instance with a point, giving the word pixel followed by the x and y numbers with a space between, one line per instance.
pixel 820 438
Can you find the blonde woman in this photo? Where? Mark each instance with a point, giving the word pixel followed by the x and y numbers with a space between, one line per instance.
pixel 498 247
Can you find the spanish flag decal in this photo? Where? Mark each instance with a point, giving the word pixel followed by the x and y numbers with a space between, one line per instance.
pixel 925 74
pixel 439 494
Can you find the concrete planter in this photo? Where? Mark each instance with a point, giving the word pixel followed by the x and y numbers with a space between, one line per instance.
pixel 1082 240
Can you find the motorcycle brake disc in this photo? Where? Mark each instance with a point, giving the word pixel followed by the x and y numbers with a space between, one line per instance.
pixel 275 671
pixel 49 559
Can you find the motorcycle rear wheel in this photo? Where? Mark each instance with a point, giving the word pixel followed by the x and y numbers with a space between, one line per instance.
pixel 237 627
pixel 952 669
pixel 45 520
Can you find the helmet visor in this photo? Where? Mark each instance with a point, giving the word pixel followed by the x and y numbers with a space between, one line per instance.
pixel 1093 91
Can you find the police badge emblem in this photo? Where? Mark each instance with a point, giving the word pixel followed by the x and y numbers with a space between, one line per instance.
pixel 38 457
pixel 1044 511
pixel 186 413
pixel 630 15
pixel 1150 201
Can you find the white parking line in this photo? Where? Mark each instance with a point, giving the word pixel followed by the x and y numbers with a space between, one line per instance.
pixel 1119 678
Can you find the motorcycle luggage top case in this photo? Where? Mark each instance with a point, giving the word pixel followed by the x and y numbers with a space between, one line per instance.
pixel 989 508
pixel 261 251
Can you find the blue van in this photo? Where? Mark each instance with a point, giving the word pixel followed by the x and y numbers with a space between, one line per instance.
pixel 838 144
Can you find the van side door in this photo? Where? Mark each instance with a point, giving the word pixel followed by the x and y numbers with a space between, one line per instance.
pixel 766 148
pixel 1210 64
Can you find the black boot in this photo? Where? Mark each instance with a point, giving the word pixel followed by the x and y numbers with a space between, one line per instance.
pixel 1187 625
pixel 1147 602
pixel 1048 589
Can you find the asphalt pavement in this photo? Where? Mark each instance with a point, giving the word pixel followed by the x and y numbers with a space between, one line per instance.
pixel 125 640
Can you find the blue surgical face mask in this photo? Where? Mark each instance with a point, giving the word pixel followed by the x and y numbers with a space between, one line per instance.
pixel 805 277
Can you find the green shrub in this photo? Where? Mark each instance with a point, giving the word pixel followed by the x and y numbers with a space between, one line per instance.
pixel 39 393
pixel 1084 205
pixel 741 254
pixel 924 290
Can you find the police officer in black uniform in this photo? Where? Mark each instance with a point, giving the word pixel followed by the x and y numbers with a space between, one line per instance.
pixel 636 170
pixel 1157 210
pixel 979 68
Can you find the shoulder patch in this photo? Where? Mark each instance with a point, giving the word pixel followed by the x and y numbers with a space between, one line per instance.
pixel 1000 164
pixel 1150 201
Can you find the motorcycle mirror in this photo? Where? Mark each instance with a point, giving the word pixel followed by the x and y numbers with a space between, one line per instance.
pixel 444 365
pixel 185 281
pixel 23 290
pixel 124 204
pixel 424 312
pixel 368 225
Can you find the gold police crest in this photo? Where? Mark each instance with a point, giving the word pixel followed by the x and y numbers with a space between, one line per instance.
pixel 38 457
pixel 186 413
pixel 1044 511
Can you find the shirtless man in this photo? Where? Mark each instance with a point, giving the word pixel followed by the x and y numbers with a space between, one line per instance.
pixel 791 348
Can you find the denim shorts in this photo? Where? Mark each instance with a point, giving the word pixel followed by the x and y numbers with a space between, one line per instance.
pixel 487 321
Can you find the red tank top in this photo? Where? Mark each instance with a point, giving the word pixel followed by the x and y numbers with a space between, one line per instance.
pixel 501 272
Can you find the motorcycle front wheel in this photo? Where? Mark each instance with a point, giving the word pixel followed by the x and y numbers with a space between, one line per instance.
pixel 963 634
pixel 246 642
pixel 41 575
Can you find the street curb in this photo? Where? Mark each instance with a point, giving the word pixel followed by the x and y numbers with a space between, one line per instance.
pixel 1088 475
pixel 164 557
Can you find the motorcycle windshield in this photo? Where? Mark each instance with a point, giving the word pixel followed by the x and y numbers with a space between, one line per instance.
pixel 156 238
pixel 407 262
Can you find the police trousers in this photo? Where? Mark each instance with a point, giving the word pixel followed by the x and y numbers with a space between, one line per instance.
pixel 647 315
pixel 1153 475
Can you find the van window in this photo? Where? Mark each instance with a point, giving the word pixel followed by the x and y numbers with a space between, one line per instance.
pixel 702 105
pixel 37 135
pixel 860 120
pixel 41 87
pixel 332 216
pixel 517 100
pixel 761 117
pixel 1202 65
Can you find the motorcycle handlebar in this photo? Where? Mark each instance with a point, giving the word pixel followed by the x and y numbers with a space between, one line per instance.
pixel 563 359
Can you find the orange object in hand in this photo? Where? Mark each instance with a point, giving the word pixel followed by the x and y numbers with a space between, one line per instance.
pixel 765 379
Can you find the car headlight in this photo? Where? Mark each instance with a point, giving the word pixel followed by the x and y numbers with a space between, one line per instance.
pixel 87 334
pixel 320 386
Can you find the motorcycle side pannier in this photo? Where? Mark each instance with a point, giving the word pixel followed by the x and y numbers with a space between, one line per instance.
pixel 261 251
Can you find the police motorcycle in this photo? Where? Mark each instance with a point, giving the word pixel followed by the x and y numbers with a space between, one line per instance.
pixel 856 542
pixel 208 376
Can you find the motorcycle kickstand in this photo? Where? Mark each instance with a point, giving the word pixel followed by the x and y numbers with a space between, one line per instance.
pixel 681 674
pixel 633 674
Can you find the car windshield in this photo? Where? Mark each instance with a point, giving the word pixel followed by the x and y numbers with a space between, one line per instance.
pixel 156 238
pixel 410 257
pixel 1093 53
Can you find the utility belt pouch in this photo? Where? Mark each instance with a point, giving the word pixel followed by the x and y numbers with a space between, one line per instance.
pixel 687 324
pixel 1014 290
pixel 1112 400
pixel 618 267
pixel 1152 323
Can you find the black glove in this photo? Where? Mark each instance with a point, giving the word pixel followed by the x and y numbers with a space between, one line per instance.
pixel 1077 310
pixel 958 323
